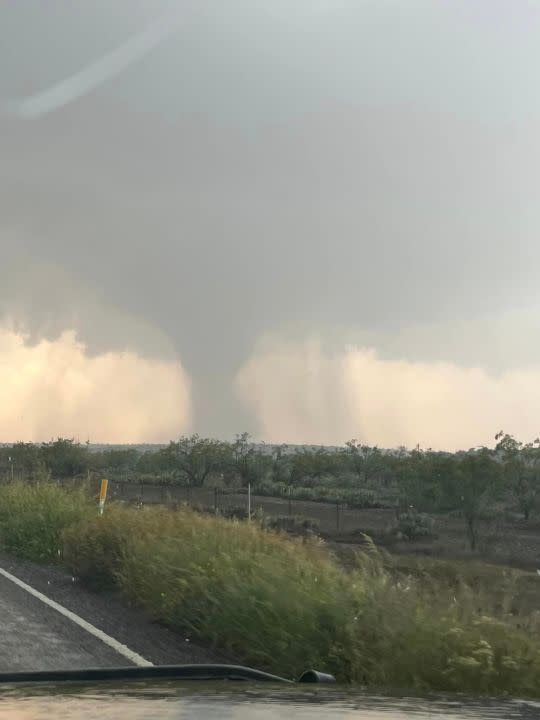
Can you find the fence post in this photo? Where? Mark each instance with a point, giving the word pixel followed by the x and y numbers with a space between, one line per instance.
pixel 215 501
pixel 289 503
pixel 337 514
pixel 142 490
pixel 249 501
pixel 163 493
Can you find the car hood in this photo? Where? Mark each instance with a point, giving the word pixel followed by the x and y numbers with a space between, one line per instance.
pixel 240 701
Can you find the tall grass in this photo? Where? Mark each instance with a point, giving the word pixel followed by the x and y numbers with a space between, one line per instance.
pixel 33 517
pixel 284 604
pixel 280 603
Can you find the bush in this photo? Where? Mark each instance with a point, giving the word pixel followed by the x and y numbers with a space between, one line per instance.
pixel 295 524
pixel 361 499
pixel 413 525
pixel 236 512
pixel 33 517
pixel 284 604
pixel 323 493
pixel 270 489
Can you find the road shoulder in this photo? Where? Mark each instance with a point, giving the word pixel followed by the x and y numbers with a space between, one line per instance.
pixel 109 613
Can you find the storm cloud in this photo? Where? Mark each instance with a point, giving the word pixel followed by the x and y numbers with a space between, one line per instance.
pixel 301 394
pixel 53 389
pixel 364 173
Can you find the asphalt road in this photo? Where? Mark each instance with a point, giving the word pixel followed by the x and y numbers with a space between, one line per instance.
pixel 36 637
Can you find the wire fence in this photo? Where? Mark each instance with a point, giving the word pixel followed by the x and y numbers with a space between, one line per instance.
pixel 329 516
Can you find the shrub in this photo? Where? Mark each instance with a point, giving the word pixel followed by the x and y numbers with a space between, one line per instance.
pixel 284 604
pixel 271 489
pixel 321 493
pixel 413 525
pixel 237 512
pixel 33 517
pixel 293 524
pixel 361 499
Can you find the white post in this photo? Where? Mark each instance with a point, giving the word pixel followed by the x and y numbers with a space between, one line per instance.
pixel 249 501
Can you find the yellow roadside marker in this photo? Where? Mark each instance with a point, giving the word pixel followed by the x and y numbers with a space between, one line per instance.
pixel 103 495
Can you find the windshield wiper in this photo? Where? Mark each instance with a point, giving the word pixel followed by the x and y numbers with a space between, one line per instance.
pixel 161 672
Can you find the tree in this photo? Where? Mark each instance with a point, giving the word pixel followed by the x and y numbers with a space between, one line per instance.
pixel 25 458
pixel 119 460
pixel 153 463
pixel 246 460
pixel 527 490
pixel 445 489
pixel 366 462
pixel 413 476
pixel 194 459
pixel 281 468
pixel 65 458
pixel 521 469
pixel 477 480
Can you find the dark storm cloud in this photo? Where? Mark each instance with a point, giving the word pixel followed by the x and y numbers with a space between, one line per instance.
pixel 271 170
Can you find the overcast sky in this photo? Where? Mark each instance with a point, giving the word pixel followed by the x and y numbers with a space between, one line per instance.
pixel 312 220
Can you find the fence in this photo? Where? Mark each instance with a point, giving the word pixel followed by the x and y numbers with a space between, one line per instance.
pixel 330 517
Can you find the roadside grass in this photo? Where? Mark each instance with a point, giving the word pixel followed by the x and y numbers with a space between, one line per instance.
pixel 484 588
pixel 284 604
pixel 33 517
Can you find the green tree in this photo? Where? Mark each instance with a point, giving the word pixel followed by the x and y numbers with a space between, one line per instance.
pixel 527 491
pixel 368 463
pixel 413 477
pixel 26 459
pixel 121 459
pixel 65 458
pixel 193 459
pixel 309 466
pixel 445 486
pixel 281 467
pixel 153 463
pixel 117 461
pixel 521 469
pixel 246 461
pixel 478 480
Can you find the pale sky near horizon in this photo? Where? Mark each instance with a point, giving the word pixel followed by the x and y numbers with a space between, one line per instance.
pixel 309 220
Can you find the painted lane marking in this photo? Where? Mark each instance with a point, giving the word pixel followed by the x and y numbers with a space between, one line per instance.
pixel 118 647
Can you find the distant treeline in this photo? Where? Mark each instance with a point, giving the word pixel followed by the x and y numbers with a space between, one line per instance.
pixel 472 482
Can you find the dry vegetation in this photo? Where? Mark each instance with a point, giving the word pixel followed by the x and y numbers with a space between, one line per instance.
pixel 284 604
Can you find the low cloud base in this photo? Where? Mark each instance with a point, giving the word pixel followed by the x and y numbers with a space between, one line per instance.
pixel 54 388
pixel 301 394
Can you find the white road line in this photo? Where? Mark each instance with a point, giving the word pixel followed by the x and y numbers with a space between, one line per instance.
pixel 121 649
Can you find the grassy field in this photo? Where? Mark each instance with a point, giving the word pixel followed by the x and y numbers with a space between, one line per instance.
pixel 283 603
